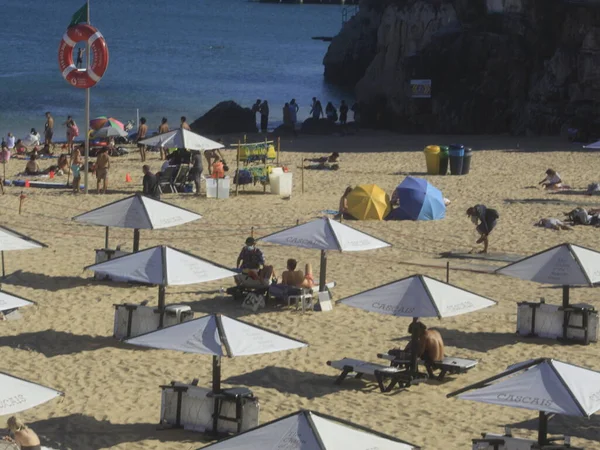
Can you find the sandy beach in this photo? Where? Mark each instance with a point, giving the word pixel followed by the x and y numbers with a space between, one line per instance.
pixel 112 391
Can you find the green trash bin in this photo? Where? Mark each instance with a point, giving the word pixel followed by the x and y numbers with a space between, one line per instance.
pixel 444 155
pixel 432 158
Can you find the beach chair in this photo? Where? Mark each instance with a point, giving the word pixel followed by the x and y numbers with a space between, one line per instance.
pixel 180 179
pixel 383 374
pixel 448 365
pixel 166 179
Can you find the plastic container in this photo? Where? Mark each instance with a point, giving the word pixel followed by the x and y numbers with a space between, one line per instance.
pixel 457 154
pixel 432 158
pixel 467 161
pixel 217 187
pixel 444 159
pixel 282 184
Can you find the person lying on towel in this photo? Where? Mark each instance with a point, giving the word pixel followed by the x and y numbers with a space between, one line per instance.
pixel 429 342
pixel 333 158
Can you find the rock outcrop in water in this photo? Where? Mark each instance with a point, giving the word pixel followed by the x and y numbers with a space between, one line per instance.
pixel 226 117
pixel 524 66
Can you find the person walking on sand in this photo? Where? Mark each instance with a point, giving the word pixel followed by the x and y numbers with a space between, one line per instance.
pixel 141 135
pixel 72 132
pixel 48 130
pixel 102 166
pixel 80 53
pixel 163 128
pixel 264 116
pixel 486 220
pixel 184 124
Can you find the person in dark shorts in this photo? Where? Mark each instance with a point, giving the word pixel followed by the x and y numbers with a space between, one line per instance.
pixel 150 184
pixel 486 219
pixel 48 129
pixel 195 173
pixel 251 258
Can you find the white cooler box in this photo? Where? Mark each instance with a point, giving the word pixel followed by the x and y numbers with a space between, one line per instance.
pixel 281 182
pixel 218 187
pixel 549 321
pixel 197 406
pixel 105 254
pixel 143 319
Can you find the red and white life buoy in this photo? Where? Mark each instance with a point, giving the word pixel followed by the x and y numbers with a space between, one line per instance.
pixel 83 78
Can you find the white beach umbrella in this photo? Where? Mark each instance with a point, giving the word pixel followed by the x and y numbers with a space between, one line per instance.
pixel 12 301
pixel 325 234
pixel 418 296
pixel 594 145
pixel 182 138
pixel 162 266
pixel 308 430
pixel 137 212
pixel 545 385
pixel 219 336
pixel 564 265
pixel 12 240
pixel 19 395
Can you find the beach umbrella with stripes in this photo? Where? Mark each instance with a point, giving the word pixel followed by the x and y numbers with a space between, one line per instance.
pixel 12 240
pixel 545 385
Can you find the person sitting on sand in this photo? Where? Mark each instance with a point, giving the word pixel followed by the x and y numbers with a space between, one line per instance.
pixel 22 435
pixel 553 224
pixel 487 219
pixel 32 167
pixel 552 181
pixel 63 164
pixel 20 148
pixel 343 206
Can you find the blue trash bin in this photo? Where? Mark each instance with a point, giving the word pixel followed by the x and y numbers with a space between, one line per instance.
pixel 457 154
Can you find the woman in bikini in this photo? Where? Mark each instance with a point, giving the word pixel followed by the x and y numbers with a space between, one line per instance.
pixel 23 436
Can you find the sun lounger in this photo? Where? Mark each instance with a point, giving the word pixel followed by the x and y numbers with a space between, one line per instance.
pixel 392 375
pixel 448 365
pixel 165 180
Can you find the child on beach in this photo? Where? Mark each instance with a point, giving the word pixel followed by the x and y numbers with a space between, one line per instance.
pixel 76 169
pixel 218 170
pixel 552 181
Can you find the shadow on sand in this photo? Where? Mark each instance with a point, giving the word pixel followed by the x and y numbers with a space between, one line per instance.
pixel 79 431
pixel 56 343
pixel 548 201
pixel 480 341
pixel 45 282
pixel 305 384
pixel 567 425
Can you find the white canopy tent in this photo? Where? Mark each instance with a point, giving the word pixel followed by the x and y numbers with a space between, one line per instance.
pixel 545 385
pixel 418 296
pixel 20 395
pixel 12 240
pixel 564 265
pixel 181 138
pixel 12 301
pixel 308 430
pixel 162 266
pixel 325 234
pixel 219 336
pixel 594 145
pixel 137 212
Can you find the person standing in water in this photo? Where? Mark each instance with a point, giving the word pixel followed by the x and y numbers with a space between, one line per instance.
pixel 486 220
pixel 48 130
pixel 80 53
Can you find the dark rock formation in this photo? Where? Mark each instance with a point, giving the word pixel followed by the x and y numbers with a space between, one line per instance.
pixel 319 126
pixel 226 117
pixel 524 66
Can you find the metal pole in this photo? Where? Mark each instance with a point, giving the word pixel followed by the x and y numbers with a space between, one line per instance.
pixel 136 240
pixel 323 271
pixel 3 272
pixel 161 306
pixel 543 429
pixel 447 271
pixel 87 111
pixel 216 388
pixel 565 304
pixel 414 347
pixel 106 238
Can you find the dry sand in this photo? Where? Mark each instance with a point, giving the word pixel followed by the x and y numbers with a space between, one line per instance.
pixel 112 395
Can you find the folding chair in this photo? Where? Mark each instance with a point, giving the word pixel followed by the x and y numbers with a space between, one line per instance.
pixel 181 177
pixel 166 179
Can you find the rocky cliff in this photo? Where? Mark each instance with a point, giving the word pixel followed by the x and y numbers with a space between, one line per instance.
pixel 523 66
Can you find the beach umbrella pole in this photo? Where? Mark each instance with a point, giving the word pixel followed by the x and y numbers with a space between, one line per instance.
pixel 216 375
pixel 136 240
pixel 3 272
pixel 106 239
pixel 161 306
pixel 414 348
pixel 543 429
pixel 565 304
pixel 323 271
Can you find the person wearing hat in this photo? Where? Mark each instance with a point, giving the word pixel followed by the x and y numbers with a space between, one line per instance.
pixel 251 258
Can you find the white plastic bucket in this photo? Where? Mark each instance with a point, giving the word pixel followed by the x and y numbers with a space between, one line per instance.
pixel 217 187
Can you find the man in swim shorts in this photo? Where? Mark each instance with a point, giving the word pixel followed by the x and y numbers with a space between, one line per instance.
pixel 48 130
pixel 486 219
pixel 102 166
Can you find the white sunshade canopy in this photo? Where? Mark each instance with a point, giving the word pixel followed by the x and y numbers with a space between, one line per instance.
pixel 18 395
pixel 566 265
pixel 11 240
pixel 138 211
pixel 305 430
pixel 204 336
pixel 325 234
pixel 544 385
pixel 181 138
pixel 418 296
pixel 593 145
pixel 11 301
pixel 164 266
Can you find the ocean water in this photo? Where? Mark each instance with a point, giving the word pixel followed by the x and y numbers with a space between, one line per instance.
pixel 167 58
